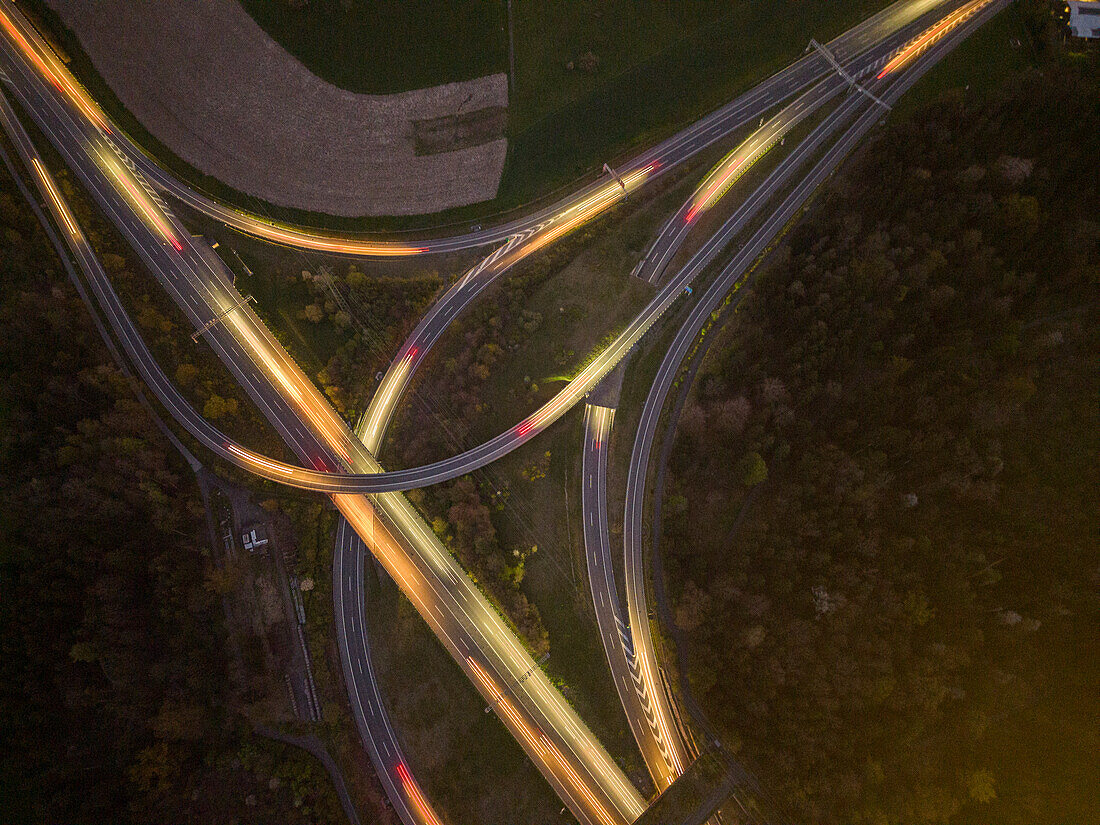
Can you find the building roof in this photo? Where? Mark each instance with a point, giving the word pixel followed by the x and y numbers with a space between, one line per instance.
pixel 1084 18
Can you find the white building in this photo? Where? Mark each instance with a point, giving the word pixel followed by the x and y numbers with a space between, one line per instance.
pixel 1084 18
pixel 254 539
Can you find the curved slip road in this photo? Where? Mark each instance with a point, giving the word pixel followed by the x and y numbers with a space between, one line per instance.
pixel 968 18
pixel 557 741
pixel 174 242
pixel 669 152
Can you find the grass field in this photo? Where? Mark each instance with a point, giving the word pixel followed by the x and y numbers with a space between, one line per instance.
pixel 661 65
pixel 980 64
pixel 385 46
pixel 471 768
pixel 658 66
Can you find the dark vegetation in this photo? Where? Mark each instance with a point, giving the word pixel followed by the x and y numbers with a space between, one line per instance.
pixel 385 46
pixel 447 413
pixel 114 697
pixel 881 523
pixel 351 324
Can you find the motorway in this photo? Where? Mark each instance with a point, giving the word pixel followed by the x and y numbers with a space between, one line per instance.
pixel 660 749
pixel 924 54
pixel 315 435
pixel 403 366
pixel 557 741
pixel 550 218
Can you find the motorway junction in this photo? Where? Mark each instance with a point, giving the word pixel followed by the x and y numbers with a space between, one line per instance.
pixel 830 98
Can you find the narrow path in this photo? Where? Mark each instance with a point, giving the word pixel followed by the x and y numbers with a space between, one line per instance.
pixel 317 748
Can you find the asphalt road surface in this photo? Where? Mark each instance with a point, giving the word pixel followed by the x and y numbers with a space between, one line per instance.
pixel 888 86
pixel 197 281
pixel 571 759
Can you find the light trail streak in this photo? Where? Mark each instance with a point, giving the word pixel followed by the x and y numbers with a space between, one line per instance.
pixel 57 75
pixel 253 458
pixel 320 243
pixel 412 790
pixel 499 700
pixel 540 743
pixel 597 806
pixel 322 423
pixel 137 196
pixel 273 366
pixel 58 202
pixel 923 41
pixel 388 393
pixel 587 209
pixel 662 722
pixel 732 173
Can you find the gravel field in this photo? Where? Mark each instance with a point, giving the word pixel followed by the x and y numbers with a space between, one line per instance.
pixel 207 82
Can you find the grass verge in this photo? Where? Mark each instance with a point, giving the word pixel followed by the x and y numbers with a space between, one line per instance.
pixel 999 49
pixel 469 765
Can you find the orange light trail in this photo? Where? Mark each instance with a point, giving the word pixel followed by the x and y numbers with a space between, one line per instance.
pixel 57 76
pixel 322 244
pixel 588 795
pixel 414 794
pixel 540 743
pixel 500 701
pixel 930 36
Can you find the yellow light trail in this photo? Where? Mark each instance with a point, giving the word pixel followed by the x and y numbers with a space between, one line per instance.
pixel 662 722
pixel 139 198
pixel 601 811
pixel 323 424
pixel 55 196
pixel 587 209
pixel 55 72
pixel 707 199
pixel 730 174
pixel 388 394
pixel 57 75
pixel 259 460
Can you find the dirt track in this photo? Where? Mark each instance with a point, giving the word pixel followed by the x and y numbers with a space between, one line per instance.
pixel 205 80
